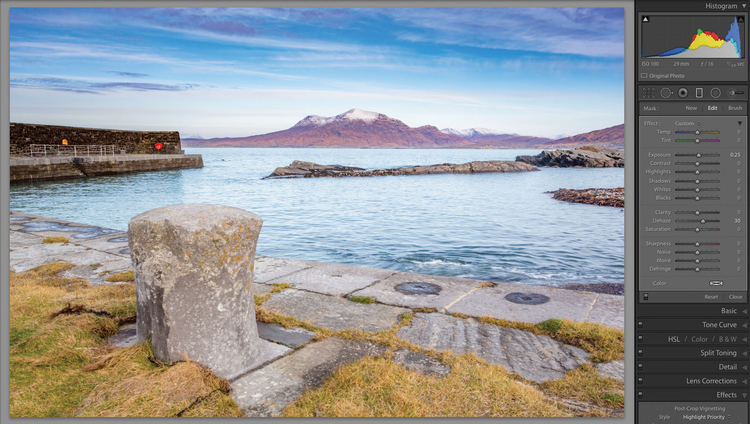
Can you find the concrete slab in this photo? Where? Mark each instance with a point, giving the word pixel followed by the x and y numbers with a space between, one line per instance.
pixel 450 290
pixel 421 363
pixel 26 258
pixel 97 274
pixel 608 310
pixel 57 228
pixel 267 391
pixel 491 301
pixel 19 240
pixel 269 352
pixel 332 312
pixel 105 242
pixel 268 268
pixel 119 251
pixel 332 279
pixel 291 337
pixel 534 357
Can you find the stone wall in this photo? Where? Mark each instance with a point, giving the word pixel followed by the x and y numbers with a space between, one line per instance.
pixel 67 167
pixel 137 142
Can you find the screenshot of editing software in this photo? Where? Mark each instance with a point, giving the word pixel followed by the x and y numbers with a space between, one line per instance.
pixel 690 195
pixel 511 209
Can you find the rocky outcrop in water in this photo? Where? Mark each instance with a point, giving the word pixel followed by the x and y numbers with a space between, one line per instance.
pixel 592 196
pixel 308 169
pixel 582 157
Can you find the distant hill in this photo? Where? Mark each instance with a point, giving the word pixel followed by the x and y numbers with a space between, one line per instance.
pixel 354 128
pixel 509 142
pixel 487 138
pixel 357 128
pixel 607 137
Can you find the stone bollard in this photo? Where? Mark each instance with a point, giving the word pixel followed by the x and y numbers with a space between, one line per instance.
pixel 193 266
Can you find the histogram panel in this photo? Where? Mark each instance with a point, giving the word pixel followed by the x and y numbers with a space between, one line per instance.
pixel 699 37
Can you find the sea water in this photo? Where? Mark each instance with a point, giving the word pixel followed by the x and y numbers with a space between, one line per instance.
pixel 496 227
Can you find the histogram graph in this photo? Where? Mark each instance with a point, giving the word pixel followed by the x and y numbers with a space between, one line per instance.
pixel 695 37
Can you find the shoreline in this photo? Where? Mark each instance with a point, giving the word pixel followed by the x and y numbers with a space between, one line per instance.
pixel 609 288
pixel 89 245
pixel 622 148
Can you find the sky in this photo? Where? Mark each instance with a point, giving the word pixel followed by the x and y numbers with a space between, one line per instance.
pixel 232 72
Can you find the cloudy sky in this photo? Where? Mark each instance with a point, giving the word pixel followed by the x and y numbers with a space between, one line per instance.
pixel 245 71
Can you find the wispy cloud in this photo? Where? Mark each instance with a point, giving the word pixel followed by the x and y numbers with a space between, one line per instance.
pixel 130 55
pixel 128 74
pixel 92 87
pixel 589 32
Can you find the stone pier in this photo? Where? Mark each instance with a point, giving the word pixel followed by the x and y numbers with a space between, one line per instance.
pixel 193 267
pixel 291 360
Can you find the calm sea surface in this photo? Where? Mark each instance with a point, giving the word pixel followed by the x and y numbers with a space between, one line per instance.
pixel 497 227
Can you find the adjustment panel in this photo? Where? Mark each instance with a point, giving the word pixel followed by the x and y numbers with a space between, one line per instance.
pixel 691 316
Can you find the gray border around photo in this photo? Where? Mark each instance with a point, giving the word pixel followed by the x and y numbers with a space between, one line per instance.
pixel 628 88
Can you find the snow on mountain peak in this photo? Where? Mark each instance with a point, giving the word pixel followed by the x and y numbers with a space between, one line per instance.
pixel 472 132
pixel 359 114
pixel 313 121
pixel 350 115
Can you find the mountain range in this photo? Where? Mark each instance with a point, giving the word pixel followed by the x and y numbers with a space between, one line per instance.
pixel 357 128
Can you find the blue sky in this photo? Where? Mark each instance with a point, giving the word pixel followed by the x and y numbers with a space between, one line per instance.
pixel 245 71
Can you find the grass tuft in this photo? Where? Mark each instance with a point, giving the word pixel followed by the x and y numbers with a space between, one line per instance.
pixel 362 299
pixel 277 287
pixel 61 364
pixel 121 277
pixel 425 310
pixel 552 325
pixel 260 298
pixel 57 239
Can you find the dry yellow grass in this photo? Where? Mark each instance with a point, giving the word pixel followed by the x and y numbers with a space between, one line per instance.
pixel 61 365
pixel 585 384
pixel 58 239
pixel 377 387
pixel 260 298
pixel 122 277
pixel 277 287
pixel 185 388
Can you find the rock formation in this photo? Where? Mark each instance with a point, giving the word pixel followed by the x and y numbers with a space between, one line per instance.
pixel 592 196
pixel 582 157
pixel 307 169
